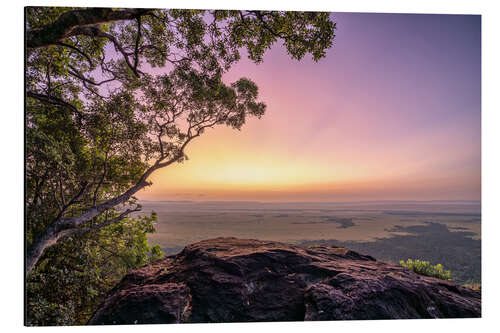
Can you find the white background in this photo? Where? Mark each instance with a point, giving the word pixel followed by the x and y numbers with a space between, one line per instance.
pixel 12 163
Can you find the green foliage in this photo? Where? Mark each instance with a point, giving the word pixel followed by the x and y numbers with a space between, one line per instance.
pixel 73 277
pixel 433 241
pixel 425 268
pixel 98 119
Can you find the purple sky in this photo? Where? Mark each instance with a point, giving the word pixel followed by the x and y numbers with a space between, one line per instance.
pixel 392 112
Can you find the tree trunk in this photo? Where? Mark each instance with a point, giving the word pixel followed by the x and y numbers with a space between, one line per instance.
pixel 33 254
pixel 61 227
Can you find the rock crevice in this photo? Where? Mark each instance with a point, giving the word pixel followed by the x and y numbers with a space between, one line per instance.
pixel 243 280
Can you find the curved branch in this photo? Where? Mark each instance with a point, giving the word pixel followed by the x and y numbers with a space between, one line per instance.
pixel 120 217
pixel 96 32
pixel 73 200
pixel 53 101
pixel 65 25
pixel 74 48
pixel 259 15
pixel 67 226
pixel 54 233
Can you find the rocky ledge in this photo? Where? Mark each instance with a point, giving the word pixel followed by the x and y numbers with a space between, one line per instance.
pixel 242 280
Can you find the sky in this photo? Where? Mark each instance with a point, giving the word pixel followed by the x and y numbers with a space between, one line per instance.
pixel 393 112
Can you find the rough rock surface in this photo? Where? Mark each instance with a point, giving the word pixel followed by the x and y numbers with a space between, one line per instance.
pixel 240 280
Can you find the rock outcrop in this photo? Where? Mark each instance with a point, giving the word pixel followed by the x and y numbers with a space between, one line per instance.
pixel 242 280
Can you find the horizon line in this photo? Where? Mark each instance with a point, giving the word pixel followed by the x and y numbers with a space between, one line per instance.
pixel 310 202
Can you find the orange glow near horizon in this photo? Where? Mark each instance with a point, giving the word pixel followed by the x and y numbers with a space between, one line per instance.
pixel 226 165
pixel 382 117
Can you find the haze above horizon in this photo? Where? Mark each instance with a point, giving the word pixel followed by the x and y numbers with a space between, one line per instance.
pixel 392 112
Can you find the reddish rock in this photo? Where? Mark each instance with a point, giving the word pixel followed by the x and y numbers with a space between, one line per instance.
pixel 242 280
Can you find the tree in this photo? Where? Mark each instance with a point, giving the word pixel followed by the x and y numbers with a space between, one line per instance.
pixel 113 95
pixel 72 278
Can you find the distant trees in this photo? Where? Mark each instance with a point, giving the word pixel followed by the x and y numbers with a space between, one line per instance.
pixel 113 95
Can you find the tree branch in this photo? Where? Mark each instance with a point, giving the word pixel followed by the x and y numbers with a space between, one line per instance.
pixel 120 217
pixel 54 233
pixel 94 31
pixel 94 201
pixel 62 227
pixel 137 40
pixel 73 200
pixel 74 48
pixel 53 101
pixel 65 25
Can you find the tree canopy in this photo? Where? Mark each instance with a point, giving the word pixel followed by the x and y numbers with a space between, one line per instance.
pixel 113 95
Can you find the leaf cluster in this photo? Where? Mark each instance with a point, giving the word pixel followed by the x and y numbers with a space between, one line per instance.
pixel 107 104
pixel 73 277
pixel 425 268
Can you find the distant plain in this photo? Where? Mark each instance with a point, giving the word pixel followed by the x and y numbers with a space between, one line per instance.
pixel 444 231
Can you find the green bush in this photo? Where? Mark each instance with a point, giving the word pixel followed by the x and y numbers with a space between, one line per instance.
pixel 425 268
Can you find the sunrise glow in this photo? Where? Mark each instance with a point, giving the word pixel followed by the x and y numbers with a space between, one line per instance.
pixel 392 112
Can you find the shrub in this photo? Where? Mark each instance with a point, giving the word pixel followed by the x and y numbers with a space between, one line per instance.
pixel 425 268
